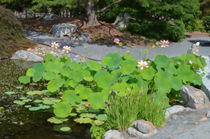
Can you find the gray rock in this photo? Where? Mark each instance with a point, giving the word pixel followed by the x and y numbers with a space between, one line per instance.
pixel 144 126
pixel 26 56
pixel 82 37
pixel 64 29
pixel 174 109
pixel 132 133
pixel 206 79
pixel 194 98
pixel 208 114
pixel 113 134
pixel 122 20
pixel 49 17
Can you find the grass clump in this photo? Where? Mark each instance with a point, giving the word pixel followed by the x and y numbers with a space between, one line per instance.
pixel 11 34
pixel 122 111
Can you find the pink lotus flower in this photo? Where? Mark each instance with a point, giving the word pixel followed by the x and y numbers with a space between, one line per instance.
pixel 164 43
pixel 55 45
pixel 66 49
pixel 117 40
pixel 143 64
pixel 190 62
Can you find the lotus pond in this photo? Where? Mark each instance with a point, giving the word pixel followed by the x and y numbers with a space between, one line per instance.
pixel 20 123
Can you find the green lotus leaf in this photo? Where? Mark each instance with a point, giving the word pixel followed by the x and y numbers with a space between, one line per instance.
pixel 111 61
pixel 128 66
pixel 83 91
pixel 128 56
pixel 161 61
pixel 55 84
pixel 70 97
pixel 30 72
pixel 77 76
pixel 87 75
pixel 27 106
pixel 93 65
pixel 62 109
pixel 162 81
pixel 9 93
pixel 24 79
pixel 101 117
pixel 104 79
pixel 171 69
pixel 49 57
pixel 56 66
pixel 176 83
pixel 65 129
pixel 185 73
pixel 148 73
pixel 49 75
pixel 197 79
pixel 96 100
pixel 83 120
pixel 73 114
pixel 38 70
pixel 75 66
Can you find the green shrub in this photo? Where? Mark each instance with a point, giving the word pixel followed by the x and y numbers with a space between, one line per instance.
pixel 158 29
pixel 206 23
pixel 97 132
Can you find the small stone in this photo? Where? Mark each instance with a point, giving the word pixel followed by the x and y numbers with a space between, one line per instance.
pixel 113 134
pixel 174 109
pixel 208 114
pixel 26 56
pixel 144 126
pixel 194 98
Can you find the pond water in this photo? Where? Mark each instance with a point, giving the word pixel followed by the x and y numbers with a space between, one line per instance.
pixel 17 122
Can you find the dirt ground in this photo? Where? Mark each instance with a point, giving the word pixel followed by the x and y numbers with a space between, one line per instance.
pixel 102 33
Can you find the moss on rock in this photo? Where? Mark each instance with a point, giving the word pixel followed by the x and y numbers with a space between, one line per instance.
pixel 11 34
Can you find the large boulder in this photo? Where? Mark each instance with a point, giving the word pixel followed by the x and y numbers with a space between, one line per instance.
pixel 64 29
pixel 194 98
pixel 113 134
pixel 11 34
pixel 26 56
pixel 206 79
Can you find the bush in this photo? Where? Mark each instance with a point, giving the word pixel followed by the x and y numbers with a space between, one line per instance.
pixel 206 23
pixel 158 29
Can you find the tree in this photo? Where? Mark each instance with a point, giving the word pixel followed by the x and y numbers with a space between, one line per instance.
pixel 88 6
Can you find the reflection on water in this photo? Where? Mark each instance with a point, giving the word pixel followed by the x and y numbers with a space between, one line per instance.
pixel 19 123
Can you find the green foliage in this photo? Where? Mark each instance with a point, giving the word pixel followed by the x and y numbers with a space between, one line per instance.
pixel 122 111
pixel 97 132
pixel 82 90
pixel 206 23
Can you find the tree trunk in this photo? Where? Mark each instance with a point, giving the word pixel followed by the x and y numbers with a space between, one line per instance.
pixel 91 13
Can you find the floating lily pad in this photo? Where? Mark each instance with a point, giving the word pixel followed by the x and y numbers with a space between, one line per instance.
pixel 73 114
pixel 23 98
pixel 101 117
pixel 10 93
pixel 87 115
pixel 27 106
pixel 65 129
pixel 34 108
pixel 37 101
pixel 19 87
pixel 48 102
pixel 56 120
pixel 19 102
pixel 83 120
